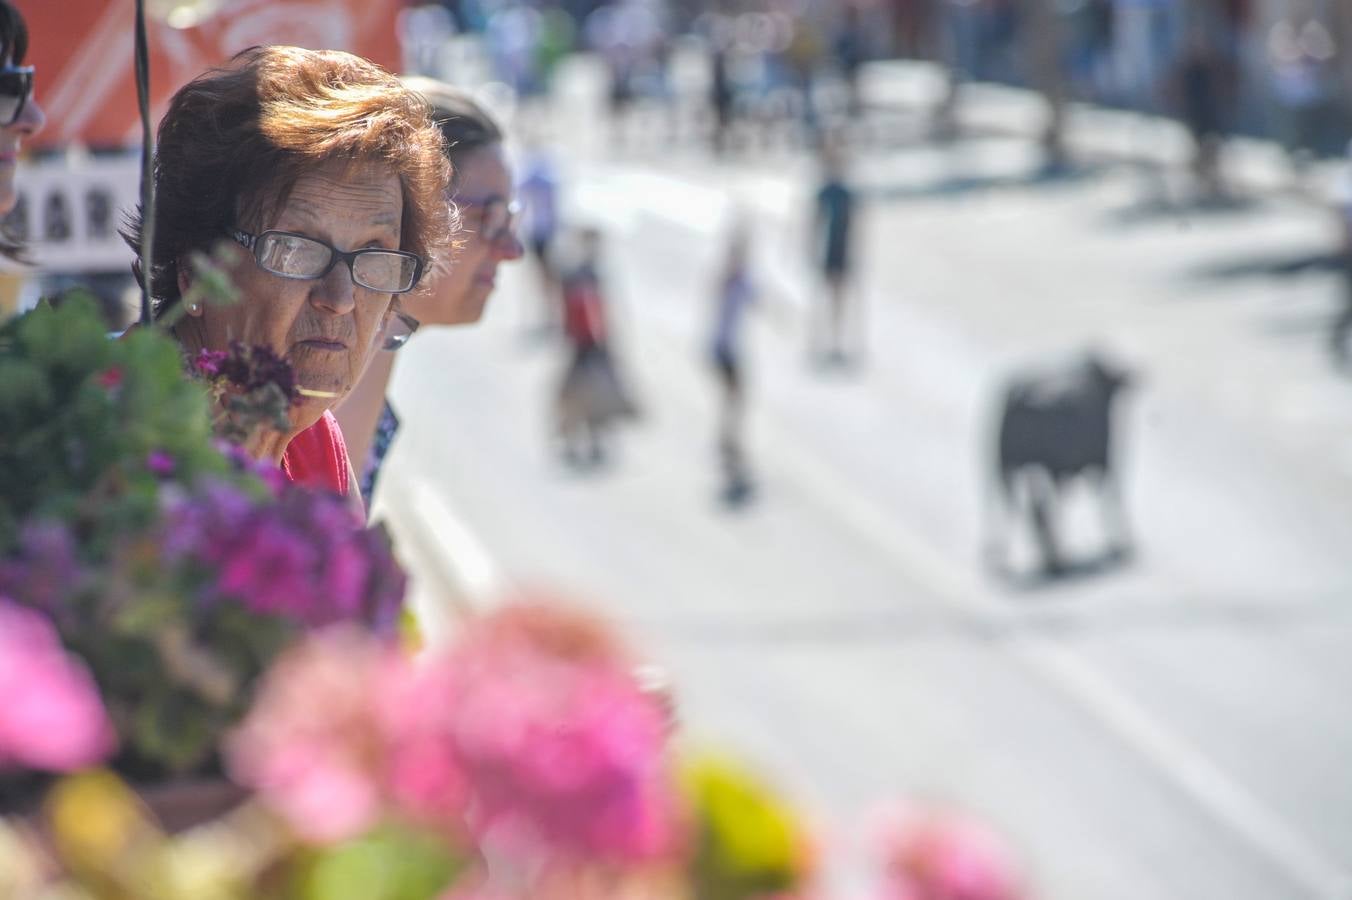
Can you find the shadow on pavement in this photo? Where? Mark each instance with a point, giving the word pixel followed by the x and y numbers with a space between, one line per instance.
pixel 962 185
pixel 1154 210
pixel 1279 266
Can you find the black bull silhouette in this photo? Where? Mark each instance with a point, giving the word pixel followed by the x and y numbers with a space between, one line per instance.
pixel 1055 425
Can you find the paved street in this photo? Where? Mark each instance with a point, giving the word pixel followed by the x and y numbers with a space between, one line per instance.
pixel 1175 728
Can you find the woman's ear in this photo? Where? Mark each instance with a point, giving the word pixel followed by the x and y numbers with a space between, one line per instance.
pixel 192 308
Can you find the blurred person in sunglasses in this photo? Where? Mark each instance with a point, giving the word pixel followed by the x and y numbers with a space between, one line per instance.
pixel 324 175
pixel 456 294
pixel 20 115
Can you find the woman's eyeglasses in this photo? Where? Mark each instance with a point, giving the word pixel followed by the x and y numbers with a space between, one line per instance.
pixel 491 219
pixel 16 89
pixel 398 329
pixel 298 256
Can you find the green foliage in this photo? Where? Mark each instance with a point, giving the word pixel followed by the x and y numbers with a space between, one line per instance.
pixel 80 416
pixel 391 863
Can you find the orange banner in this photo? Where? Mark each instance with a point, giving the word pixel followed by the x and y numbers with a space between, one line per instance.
pixel 84 54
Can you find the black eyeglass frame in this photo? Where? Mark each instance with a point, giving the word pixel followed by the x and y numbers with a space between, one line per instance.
pixel 394 342
pixel 252 242
pixel 26 75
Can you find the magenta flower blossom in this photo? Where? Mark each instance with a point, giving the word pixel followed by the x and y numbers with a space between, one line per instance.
pixel 562 750
pixel 308 746
pixel 937 855
pixel 303 557
pixel 208 363
pixel 160 463
pixel 51 717
pixel 555 756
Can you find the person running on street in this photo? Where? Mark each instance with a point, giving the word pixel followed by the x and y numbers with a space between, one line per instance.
pixel 591 394
pixel 833 234
pixel 734 296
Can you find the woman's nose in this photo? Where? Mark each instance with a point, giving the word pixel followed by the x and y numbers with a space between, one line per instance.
pixel 508 246
pixel 336 291
pixel 31 119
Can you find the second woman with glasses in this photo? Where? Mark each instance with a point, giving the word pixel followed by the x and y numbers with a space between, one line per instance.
pixel 482 192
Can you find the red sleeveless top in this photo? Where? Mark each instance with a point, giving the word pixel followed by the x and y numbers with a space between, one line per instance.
pixel 317 457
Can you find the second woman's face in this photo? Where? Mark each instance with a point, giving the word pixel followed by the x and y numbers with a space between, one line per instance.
pixel 458 296
pixel 324 326
pixel 30 122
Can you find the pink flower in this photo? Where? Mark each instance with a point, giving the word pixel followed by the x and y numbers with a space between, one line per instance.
pixel 51 717
pixel 309 745
pixel 110 378
pixel 513 735
pixel 937 855
pixel 562 750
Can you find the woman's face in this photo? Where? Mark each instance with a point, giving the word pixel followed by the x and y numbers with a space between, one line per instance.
pixel 458 296
pixel 324 326
pixel 30 122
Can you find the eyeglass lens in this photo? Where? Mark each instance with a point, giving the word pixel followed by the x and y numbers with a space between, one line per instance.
pixel 494 218
pixel 398 330
pixel 296 256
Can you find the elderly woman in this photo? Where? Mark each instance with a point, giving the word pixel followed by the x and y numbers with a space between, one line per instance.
pixel 329 174
pixel 481 189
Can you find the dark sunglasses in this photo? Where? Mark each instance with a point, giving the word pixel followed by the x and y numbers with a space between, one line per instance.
pixel 16 88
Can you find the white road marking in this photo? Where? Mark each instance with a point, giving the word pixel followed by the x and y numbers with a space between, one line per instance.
pixel 468 562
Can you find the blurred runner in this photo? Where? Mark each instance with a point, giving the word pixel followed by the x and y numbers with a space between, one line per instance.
pixel 591 395
pixel 734 295
pixel 833 236
pixel 1342 326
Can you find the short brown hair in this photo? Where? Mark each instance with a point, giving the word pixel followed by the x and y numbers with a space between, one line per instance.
pixel 236 139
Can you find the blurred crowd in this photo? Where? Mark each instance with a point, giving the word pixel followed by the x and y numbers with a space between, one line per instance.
pixel 1275 68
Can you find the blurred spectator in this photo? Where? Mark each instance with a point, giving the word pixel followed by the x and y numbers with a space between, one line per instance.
pixel 1041 32
pixel 1342 326
pixel 1301 52
pixel 734 295
pixel 591 396
pixel 833 235
pixel 851 48
pixel 1203 87
pixel 1143 36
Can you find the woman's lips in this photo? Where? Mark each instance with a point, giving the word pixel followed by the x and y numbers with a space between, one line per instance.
pixel 321 344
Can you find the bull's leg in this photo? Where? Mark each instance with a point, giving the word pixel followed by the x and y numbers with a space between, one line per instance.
pixel 999 509
pixel 1115 526
pixel 1042 509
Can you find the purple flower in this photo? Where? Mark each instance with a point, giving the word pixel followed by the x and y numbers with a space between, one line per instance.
pixel 208 363
pixel 272 570
pixel 160 463
pixel 45 569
